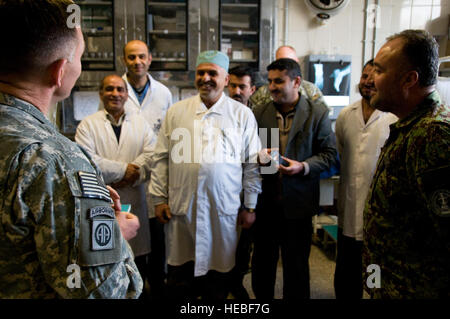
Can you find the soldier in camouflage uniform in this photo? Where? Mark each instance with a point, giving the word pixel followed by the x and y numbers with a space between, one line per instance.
pixel 307 89
pixel 407 215
pixel 59 234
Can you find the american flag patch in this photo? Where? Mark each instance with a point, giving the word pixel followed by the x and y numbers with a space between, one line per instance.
pixel 92 187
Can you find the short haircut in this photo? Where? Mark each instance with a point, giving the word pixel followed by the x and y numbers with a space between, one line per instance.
pixel 102 82
pixel 370 62
pixel 34 34
pixel 241 71
pixel 291 66
pixel 422 53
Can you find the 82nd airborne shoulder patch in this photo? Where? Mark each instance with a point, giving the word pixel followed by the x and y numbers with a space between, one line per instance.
pixel 102 234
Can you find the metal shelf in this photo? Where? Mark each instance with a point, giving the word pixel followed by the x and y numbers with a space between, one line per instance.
pixel 168 60
pixel 169 32
pixel 239 33
pixel 94 3
pixel 239 5
pixel 97 60
pixel 97 18
pixel 166 4
pixel 98 33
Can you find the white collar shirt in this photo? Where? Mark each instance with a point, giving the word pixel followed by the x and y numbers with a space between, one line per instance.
pixel 154 107
pixel 136 143
pixel 155 104
pixel 359 145
pixel 201 166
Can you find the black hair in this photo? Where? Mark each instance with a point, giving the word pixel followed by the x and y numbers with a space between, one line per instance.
pixel 291 66
pixel 241 71
pixel 422 53
pixel 33 31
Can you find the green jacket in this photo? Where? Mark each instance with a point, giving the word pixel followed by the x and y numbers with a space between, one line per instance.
pixel 407 215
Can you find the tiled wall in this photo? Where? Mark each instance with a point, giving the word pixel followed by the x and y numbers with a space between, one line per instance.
pixel 344 33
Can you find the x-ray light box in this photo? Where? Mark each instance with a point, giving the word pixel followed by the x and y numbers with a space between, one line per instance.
pixel 331 74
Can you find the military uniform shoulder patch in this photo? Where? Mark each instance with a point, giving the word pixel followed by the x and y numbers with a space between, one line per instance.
pixel 102 234
pixel 440 202
pixel 93 187
pixel 101 211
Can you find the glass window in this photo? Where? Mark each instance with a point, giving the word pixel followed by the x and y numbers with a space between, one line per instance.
pixel 167 34
pixel 97 23
pixel 239 31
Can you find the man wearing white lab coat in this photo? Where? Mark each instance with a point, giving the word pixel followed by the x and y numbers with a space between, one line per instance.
pixel 361 131
pixel 121 144
pixel 149 99
pixel 205 154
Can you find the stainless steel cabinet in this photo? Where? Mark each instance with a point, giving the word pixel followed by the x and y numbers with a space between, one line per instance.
pixel 176 32
pixel 240 31
pixel 98 31
pixel 167 34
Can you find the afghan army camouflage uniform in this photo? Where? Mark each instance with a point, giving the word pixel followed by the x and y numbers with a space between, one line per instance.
pixel 262 95
pixel 56 212
pixel 407 213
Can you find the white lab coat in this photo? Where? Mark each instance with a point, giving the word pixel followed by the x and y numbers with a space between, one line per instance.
pixel 96 135
pixel 359 145
pixel 202 181
pixel 153 109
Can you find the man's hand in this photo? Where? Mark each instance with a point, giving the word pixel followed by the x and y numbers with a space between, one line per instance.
pixel 129 178
pixel 117 205
pixel 131 174
pixel 264 156
pixel 293 167
pixel 128 223
pixel 162 213
pixel 246 219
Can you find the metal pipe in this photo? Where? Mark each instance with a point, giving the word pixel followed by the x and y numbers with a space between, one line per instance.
pixel 286 22
pixel 274 20
pixel 366 8
pixel 375 29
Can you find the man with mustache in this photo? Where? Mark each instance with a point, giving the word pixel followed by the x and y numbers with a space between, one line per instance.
pixel 205 155
pixel 361 131
pixel 241 85
pixel 406 230
pixel 121 143
pixel 306 89
pixel 150 99
pixel 290 197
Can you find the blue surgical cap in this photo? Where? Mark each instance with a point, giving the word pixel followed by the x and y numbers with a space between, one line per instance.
pixel 215 57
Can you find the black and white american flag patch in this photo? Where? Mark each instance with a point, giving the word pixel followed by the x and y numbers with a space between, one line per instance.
pixel 92 187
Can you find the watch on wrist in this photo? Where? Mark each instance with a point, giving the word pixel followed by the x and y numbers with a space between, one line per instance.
pixel 250 210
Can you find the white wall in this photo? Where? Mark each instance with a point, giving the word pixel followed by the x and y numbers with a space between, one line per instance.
pixel 344 33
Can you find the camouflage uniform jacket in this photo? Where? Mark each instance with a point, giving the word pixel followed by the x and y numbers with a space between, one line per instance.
pixel 307 89
pixel 407 215
pixel 59 235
